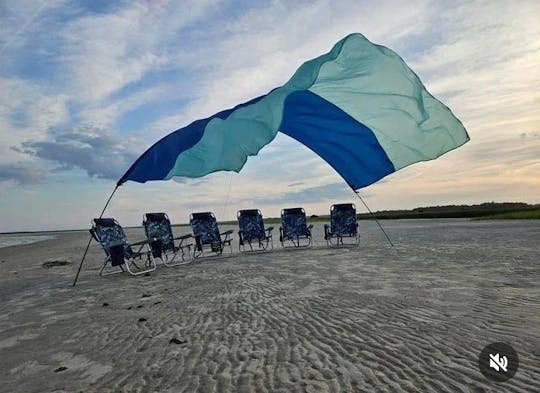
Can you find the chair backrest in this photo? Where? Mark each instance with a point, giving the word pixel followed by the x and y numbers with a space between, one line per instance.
pixel 158 226
pixel 251 224
pixel 294 222
pixel 204 225
pixel 343 219
pixel 109 233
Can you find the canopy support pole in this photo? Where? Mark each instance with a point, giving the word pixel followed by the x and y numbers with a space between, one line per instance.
pixel 90 240
pixel 374 217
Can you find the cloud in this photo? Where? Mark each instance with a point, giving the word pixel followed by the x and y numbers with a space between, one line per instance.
pixel 22 173
pixel 18 16
pixel 318 193
pixel 27 112
pixel 105 52
pixel 93 150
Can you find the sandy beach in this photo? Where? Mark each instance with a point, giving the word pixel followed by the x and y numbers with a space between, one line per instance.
pixel 412 318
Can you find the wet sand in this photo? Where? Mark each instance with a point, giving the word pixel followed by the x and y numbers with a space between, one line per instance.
pixel 412 318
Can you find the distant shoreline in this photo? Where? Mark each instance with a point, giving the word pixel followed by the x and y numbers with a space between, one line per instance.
pixel 484 211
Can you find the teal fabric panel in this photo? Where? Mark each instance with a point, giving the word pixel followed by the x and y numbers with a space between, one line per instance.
pixel 227 142
pixel 373 85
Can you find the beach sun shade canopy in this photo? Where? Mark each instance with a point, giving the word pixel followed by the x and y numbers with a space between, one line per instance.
pixel 359 107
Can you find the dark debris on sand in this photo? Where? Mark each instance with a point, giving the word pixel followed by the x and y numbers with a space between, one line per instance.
pixel 55 262
pixel 175 340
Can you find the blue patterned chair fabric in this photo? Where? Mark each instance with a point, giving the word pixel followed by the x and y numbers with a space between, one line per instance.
pixel 158 226
pixel 251 225
pixel 204 226
pixel 111 235
pixel 294 223
pixel 343 220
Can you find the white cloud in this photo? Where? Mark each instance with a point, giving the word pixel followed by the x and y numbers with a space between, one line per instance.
pixel 482 58
pixel 104 53
pixel 26 112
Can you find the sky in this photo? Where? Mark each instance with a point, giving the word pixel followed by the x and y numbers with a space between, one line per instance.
pixel 86 87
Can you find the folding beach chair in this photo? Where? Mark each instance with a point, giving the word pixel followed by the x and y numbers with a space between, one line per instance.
pixel 157 227
pixel 342 225
pixel 119 253
pixel 294 228
pixel 207 235
pixel 252 231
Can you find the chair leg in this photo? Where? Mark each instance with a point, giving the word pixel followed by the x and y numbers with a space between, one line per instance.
pixel 105 262
pixel 150 263
pixel 198 251
pixel 103 266
pixel 172 263
pixel 190 257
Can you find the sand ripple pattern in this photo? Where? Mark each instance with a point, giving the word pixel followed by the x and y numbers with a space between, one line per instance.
pixel 409 319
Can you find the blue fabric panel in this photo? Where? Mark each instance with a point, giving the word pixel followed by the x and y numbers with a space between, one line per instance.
pixel 158 160
pixel 346 144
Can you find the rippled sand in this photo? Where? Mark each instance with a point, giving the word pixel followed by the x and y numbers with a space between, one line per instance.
pixel 413 318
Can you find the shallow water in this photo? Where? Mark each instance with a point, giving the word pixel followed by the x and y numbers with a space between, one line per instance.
pixel 7 240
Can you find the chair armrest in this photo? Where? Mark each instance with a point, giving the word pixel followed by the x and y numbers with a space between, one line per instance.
pixel 183 237
pixel 226 233
pixel 142 244
pixel 310 226
pixel 269 229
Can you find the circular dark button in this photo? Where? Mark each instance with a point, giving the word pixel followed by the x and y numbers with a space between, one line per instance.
pixel 498 362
